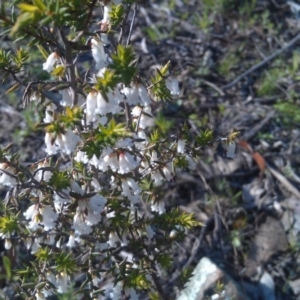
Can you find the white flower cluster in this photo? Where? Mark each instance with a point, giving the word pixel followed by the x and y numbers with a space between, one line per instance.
pixel 84 208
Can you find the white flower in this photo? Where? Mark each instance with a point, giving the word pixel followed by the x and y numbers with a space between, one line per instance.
pixel 81 157
pixel 60 201
pixel 49 239
pixel 173 86
pixel 97 203
pixel 92 209
pixel 140 135
pixel 49 217
pixel 5 178
pixel 137 94
pixel 43 215
pixel 98 53
pixel 140 118
pixel 143 93
pixel 49 113
pixel 70 140
pixel 113 240
pixel 95 184
pixel 167 171
pixel 131 190
pixel 52 59
pixel 51 278
pixel 46 292
pixel 71 242
pixel 31 212
pixel 180 146
pixel 173 234
pixel 158 206
pixel 91 104
pixel 231 148
pixel 36 97
pixel 79 224
pixel 124 143
pixel 100 73
pixel 111 105
pixel 39 296
pixel 41 174
pixel 110 160
pixel 62 282
pixel 66 97
pixel 149 231
pixel 157 177
pixel 106 13
pixel 132 95
pixel 51 148
pixel 127 162
pixel 33 244
pixel 7 244
pixel 191 161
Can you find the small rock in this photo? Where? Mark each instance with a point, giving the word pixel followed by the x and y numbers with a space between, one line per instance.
pixel 203 282
pixel 267 287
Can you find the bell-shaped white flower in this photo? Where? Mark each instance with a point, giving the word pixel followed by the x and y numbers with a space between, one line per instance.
pixel 49 113
pixel 167 170
pixel 158 206
pixel 98 53
pixel 137 94
pixel 142 119
pixel 131 190
pixel 42 175
pixel 66 98
pixel 51 148
pixel 79 224
pixel 39 296
pixel 66 142
pixel 71 242
pixel 52 59
pixel 172 85
pixel 127 162
pixel 181 146
pixel 91 105
pixel 5 177
pixel 61 199
pixel 7 244
pixel 111 105
pixel 143 139
pixel 150 232
pixel 62 282
pixel 49 217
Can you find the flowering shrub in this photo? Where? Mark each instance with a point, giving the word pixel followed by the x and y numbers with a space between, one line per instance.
pixel 92 207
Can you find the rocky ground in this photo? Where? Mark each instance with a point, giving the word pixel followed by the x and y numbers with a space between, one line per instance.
pixel 238 67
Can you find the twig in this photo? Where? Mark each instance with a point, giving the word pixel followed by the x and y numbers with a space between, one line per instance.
pixel 86 22
pixel 213 86
pixel 70 66
pixel 131 25
pixel 252 132
pixel 123 24
pixel 262 63
pixel 284 181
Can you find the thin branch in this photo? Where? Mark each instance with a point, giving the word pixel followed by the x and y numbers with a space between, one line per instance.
pixel 131 25
pixel 123 24
pixel 86 22
pixel 70 66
